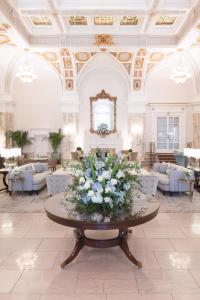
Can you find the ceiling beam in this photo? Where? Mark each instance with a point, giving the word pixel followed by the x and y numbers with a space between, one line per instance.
pixel 14 19
pixel 56 15
pixel 88 40
pixel 151 15
pixel 105 12
pixel 191 20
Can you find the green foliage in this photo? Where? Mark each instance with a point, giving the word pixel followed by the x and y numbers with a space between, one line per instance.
pixel 55 139
pixel 19 138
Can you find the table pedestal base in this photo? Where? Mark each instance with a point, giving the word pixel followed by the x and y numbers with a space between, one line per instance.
pixel 120 240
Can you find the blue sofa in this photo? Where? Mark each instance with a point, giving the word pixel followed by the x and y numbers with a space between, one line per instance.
pixel 168 177
pixel 33 177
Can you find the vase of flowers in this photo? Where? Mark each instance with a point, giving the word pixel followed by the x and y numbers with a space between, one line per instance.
pixel 103 184
pixel 103 129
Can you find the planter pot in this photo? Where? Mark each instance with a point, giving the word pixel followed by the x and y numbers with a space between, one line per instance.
pixel 55 156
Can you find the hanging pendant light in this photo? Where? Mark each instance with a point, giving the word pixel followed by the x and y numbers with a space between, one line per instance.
pixel 180 73
pixel 26 73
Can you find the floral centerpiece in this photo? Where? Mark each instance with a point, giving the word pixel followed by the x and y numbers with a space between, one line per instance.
pixel 103 129
pixel 103 184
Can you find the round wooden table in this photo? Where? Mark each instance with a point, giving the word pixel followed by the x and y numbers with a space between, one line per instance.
pixel 65 214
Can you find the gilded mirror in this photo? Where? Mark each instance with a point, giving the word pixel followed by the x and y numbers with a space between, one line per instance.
pixel 103 111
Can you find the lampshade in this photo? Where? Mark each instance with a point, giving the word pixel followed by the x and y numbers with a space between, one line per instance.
pixel 191 152
pixel 10 152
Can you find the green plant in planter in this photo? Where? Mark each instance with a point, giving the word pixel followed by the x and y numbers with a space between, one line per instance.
pixel 55 139
pixel 19 138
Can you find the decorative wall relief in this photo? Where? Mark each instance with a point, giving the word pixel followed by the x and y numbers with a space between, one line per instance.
pixel 139 64
pixel 82 56
pixel 67 69
pixel 196 130
pixel 52 58
pixel 103 40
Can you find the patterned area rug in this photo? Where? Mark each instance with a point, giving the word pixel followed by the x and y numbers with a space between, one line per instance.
pixel 35 203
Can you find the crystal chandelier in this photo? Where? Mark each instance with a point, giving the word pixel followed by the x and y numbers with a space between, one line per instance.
pixel 180 73
pixel 26 73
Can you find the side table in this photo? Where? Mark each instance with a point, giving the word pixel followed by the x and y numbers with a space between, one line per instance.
pixel 13 181
pixel 189 182
pixel 4 172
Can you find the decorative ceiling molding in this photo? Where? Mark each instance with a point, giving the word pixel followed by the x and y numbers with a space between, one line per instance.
pixel 116 22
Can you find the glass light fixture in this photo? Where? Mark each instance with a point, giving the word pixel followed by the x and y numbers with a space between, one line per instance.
pixel 180 73
pixel 26 73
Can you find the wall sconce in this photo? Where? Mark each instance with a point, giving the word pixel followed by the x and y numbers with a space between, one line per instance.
pixel 69 131
pixel 192 153
pixel 137 131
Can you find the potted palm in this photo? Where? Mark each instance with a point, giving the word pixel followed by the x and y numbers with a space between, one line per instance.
pixel 55 139
pixel 19 138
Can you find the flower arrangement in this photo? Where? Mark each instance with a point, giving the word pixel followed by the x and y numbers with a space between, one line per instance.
pixel 103 129
pixel 103 184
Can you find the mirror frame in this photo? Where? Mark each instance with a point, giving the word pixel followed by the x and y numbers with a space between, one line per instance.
pixel 102 95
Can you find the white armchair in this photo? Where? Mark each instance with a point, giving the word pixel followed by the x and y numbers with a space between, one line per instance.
pixel 57 183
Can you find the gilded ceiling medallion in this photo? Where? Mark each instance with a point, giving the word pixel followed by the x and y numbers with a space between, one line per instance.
pixel 138 73
pixel 165 20
pixel 124 56
pixel 50 56
pixel 69 84
pixel 103 20
pixel 67 62
pixel 141 52
pixel 64 52
pixel 82 56
pixel 137 84
pixel 156 56
pixel 129 20
pixel 4 27
pixel 69 73
pixel 77 20
pixel 139 62
pixel 4 39
pixel 103 39
pixel 41 20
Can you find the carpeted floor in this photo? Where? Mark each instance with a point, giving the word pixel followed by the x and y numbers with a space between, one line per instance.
pixel 35 203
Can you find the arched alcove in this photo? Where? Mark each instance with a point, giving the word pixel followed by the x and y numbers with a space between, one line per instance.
pixel 36 106
pixel 160 88
pixel 103 72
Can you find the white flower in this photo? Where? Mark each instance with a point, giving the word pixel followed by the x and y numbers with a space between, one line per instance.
pixel 90 193
pixel 81 180
pixel 97 198
pixel 107 199
pixel 87 185
pixel 100 178
pixel 114 181
pixel 78 173
pixel 106 174
pixel 120 174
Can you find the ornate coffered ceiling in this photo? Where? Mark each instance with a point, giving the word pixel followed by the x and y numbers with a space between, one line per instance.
pixel 75 22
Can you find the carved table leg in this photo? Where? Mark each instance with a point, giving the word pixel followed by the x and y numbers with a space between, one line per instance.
pixel 78 246
pixel 123 235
